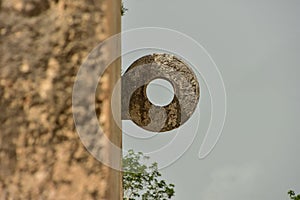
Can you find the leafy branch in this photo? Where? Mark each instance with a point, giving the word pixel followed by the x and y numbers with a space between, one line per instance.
pixel 293 196
pixel 140 180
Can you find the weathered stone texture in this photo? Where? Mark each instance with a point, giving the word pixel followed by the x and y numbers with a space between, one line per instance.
pixel 137 107
pixel 43 43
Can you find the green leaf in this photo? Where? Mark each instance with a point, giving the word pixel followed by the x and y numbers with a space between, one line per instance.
pixel 141 180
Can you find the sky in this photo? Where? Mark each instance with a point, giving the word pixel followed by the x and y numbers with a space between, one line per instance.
pixel 256 47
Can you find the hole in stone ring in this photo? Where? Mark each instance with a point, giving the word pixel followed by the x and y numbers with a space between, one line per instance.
pixel 160 92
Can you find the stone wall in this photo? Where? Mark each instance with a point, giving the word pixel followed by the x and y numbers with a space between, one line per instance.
pixel 42 44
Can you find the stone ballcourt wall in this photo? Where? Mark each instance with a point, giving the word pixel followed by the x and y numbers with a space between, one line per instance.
pixel 42 45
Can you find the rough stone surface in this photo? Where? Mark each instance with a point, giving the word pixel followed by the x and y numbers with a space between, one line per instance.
pixel 137 107
pixel 42 44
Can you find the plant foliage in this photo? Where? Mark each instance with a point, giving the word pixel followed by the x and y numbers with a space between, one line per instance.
pixel 293 196
pixel 142 181
pixel 123 9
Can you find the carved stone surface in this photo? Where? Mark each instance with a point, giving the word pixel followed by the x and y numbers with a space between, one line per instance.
pixel 137 107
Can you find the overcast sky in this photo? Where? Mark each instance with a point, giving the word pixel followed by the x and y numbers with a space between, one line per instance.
pixel 256 46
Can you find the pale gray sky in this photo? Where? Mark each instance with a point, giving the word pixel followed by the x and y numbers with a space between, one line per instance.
pixel 256 46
